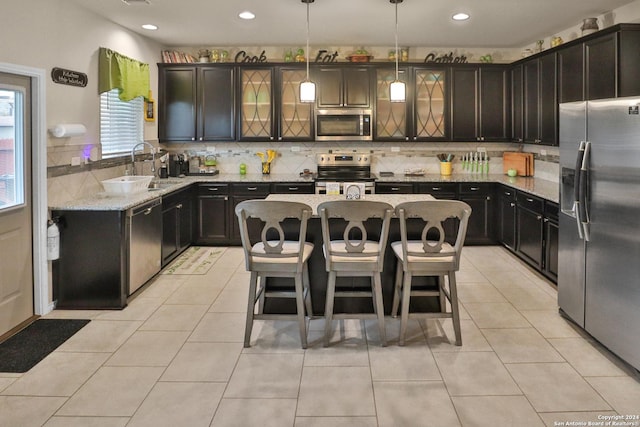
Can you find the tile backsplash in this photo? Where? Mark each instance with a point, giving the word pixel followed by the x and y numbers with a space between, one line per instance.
pixel 69 183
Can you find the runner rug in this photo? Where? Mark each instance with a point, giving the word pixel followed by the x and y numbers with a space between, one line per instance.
pixel 195 260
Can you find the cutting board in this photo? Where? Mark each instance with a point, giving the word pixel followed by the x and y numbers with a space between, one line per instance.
pixel 522 162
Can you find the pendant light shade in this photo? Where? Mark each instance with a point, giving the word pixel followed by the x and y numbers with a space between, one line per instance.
pixel 307 91
pixel 397 89
pixel 307 87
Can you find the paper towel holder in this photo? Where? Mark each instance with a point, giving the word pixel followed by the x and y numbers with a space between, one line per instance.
pixel 67 130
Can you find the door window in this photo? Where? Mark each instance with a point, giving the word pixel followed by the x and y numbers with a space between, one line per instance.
pixel 12 167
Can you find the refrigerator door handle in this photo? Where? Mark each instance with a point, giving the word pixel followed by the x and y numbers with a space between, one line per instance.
pixel 577 210
pixel 584 177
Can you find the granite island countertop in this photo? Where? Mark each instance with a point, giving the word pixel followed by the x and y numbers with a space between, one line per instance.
pixel 102 201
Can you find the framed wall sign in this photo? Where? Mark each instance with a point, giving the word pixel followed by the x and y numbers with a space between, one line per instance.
pixel 149 111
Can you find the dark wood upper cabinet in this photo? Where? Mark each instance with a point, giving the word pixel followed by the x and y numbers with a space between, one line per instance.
pixel 177 104
pixel 600 54
pixel 196 104
pixel 571 74
pixel 343 87
pixel 517 104
pixel 480 103
pixel 541 100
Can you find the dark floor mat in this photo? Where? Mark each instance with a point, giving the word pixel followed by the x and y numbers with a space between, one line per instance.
pixel 25 349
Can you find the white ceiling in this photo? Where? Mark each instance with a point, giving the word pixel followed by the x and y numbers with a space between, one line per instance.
pixel 493 23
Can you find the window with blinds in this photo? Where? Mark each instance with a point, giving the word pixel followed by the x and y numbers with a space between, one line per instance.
pixel 121 124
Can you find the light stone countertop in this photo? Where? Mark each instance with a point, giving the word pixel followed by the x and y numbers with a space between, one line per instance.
pixel 103 202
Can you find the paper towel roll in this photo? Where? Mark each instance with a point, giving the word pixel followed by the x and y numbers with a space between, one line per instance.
pixel 68 130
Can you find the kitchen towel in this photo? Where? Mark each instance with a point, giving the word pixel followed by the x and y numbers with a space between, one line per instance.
pixel 25 349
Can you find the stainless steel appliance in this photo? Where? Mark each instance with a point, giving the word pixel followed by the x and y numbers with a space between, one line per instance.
pixel 343 124
pixel 344 167
pixel 145 243
pixel 599 247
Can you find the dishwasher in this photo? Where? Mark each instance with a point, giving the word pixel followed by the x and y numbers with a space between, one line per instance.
pixel 144 224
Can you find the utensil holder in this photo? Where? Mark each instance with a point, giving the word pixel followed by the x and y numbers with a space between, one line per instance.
pixel 445 168
pixel 266 168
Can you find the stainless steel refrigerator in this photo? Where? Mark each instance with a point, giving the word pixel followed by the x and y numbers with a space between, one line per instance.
pixel 599 242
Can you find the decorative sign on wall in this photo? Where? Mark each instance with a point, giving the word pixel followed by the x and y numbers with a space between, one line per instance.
pixel 445 58
pixel 68 77
pixel 324 56
pixel 243 57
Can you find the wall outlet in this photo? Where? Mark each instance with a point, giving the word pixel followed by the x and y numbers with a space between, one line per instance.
pixel 395 149
pixel 295 149
pixel 543 152
pixel 75 161
pixel 481 149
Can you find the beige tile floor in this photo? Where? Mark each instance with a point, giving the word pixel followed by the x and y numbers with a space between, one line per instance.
pixel 174 357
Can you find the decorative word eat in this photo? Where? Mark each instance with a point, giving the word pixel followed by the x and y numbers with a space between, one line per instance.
pixel 243 57
pixel 446 58
pixel 323 56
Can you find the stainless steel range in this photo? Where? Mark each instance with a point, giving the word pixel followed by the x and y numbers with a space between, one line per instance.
pixel 344 167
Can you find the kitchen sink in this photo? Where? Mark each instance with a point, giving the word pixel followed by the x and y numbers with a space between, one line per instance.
pixel 127 184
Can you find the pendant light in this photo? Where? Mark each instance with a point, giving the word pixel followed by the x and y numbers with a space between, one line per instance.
pixel 397 89
pixel 307 87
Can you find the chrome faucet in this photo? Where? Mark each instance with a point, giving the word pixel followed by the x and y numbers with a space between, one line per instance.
pixel 133 157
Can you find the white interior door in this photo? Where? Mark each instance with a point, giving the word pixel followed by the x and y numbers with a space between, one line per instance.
pixel 16 236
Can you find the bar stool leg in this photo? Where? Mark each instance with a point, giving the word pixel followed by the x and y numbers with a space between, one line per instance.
pixel 328 310
pixel 251 306
pixel 396 289
pixel 455 314
pixel 307 290
pixel 404 313
pixel 300 307
pixel 379 306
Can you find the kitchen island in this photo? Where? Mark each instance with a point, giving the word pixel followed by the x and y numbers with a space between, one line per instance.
pixel 317 272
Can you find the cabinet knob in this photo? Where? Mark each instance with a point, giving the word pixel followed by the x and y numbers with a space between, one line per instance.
pixel 415 138
pixel 193 139
pixel 293 188
pixel 538 217
pixel 213 188
pixel 271 138
pixel 513 205
pixel 395 189
pixel 179 206
pixel 252 188
pixel 474 188
pixel 435 188
pixel 406 138
pixel 280 138
pixel 529 200
pixel 200 139
pixel 546 220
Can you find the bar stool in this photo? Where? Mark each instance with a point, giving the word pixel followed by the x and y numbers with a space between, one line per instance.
pixel 354 255
pixel 428 257
pixel 273 256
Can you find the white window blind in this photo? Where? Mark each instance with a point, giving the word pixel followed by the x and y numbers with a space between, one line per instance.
pixel 121 124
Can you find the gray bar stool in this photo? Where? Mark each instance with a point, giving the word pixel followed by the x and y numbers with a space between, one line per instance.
pixel 354 255
pixel 426 257
pixel 276 257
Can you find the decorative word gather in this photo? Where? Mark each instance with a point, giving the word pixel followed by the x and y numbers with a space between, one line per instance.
pixel 446 58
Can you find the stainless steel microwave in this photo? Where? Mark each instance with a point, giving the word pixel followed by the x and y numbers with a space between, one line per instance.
pixel 343 124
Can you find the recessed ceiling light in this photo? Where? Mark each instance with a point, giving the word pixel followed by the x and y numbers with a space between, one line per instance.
pixel 150 27
pixel 460 16
pixel 246 15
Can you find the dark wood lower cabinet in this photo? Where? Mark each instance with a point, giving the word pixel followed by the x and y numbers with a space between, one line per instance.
pixel 177 224
pixel 212 204
pixel 551 229
pixel 480 198
pixel 506 220
pixel 530 236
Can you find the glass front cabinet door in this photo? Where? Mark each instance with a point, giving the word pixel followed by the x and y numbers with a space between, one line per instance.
pixel 430 104
pixel 256 104
pixel 391 117
pixel 295 117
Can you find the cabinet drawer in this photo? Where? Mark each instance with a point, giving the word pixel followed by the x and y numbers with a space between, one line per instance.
pixel 293 188
pixel 250 188
pixel 551 210
pixel 475 188
pixel 437 189
pixel 394 188
pixel 507 193
pixel 213 189
pixel 533 203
